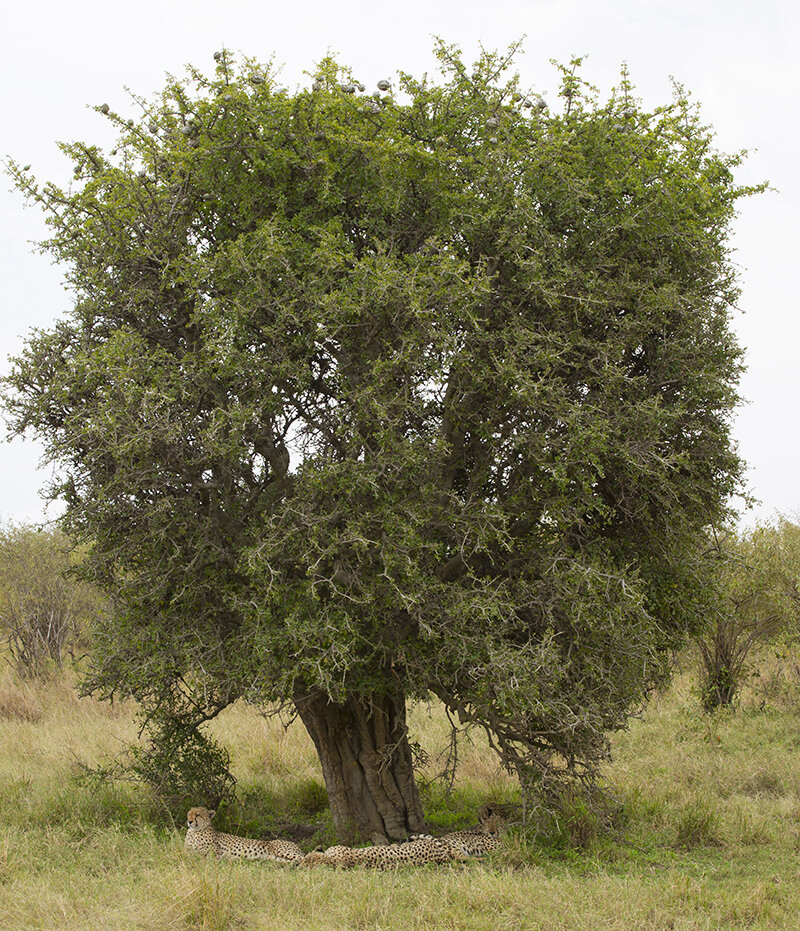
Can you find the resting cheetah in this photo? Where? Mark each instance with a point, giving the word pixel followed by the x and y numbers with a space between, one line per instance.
pixel 203 839
pixel 475 842
pixel 414 852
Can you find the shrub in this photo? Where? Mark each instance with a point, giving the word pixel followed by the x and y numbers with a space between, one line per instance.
pixel 183 767
pixel 43 608
pixel 757 579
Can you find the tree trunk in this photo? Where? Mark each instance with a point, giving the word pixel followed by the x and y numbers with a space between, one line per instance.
pixel 366 762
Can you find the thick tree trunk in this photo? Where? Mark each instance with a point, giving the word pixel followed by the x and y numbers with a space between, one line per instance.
pixel 366 762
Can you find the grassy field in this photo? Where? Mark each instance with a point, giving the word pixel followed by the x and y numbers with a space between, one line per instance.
pixel 706 815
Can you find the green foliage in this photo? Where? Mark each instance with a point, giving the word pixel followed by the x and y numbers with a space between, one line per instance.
pixel 308 798
pixel 182 765
pixel 44 609
pixel 429 392
pixel 571 818
pixel 758 585
pixel 453 809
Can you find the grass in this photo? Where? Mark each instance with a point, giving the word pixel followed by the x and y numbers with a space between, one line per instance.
pixel 704 815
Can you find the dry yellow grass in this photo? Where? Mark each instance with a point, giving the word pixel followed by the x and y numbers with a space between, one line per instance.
pixel 710 810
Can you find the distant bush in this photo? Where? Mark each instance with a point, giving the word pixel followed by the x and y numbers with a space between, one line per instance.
pixel 758 579
pixel 44 609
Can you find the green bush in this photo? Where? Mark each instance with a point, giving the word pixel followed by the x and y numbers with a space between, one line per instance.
pixel 183 767
pixel 757 577
pixel 44 608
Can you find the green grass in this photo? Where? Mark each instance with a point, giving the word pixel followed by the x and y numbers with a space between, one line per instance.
pixel 700 828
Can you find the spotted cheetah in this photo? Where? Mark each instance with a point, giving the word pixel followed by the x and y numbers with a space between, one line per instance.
pixel 476 842
pixel 203 839
pixel 414 852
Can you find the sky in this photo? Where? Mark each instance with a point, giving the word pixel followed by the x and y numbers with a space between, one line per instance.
pixel 737 58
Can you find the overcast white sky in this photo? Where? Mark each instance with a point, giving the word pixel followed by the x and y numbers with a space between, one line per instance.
pixel 737 57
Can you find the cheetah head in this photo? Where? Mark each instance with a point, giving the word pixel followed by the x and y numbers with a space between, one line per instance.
pixel 491 820
pixel 199 819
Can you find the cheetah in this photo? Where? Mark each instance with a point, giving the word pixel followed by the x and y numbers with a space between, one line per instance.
pixel 414 852
pixel 476 842
pixel 203 839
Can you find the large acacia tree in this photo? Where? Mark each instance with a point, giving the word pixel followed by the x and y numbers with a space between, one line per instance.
pixel 367 396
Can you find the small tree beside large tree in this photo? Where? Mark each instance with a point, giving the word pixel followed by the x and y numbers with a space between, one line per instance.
pixel 757 580
pixel 368 396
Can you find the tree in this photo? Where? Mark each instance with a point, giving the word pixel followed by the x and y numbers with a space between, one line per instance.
pixel 43 608
pixel 368 397
pixel 757 578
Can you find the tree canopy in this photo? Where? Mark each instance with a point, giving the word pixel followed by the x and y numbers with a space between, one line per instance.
pixel 367 396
